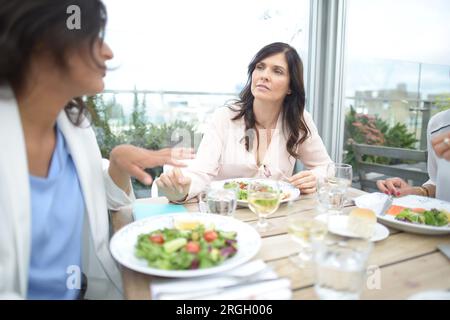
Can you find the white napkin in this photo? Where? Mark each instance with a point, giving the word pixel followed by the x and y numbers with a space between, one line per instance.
pixel 253 280
pixel 373 201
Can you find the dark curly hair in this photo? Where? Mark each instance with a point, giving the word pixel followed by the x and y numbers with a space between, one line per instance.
pixel 293 104
pixel 29 25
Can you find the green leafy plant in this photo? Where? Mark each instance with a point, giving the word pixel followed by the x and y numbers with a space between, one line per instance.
pixel 399 137
pixel 372 130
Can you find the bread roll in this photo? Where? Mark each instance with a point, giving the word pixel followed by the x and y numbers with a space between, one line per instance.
pixel 362 222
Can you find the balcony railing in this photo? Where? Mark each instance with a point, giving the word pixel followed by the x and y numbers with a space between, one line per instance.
pixel 414 113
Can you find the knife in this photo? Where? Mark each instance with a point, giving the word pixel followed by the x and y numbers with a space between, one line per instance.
pixel 386 205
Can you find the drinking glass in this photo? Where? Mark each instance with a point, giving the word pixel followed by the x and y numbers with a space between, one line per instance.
pixel 332 189
pixel 220 200
pixel 263 196
pixel 340 174
pixel 304 228
pixel 340 267
pixel 203 200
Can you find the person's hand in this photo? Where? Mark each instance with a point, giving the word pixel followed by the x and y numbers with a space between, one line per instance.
pixel 128 160
pixel 174 185
pixel 305 181
pixel 441 145
pixel 396 187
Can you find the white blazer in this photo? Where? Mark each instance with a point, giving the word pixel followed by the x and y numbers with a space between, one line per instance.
pixel 99 192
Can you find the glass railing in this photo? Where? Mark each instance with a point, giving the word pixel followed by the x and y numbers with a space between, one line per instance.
pixel 159 107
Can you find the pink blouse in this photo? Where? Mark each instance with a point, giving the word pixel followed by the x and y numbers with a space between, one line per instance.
pixel 222 154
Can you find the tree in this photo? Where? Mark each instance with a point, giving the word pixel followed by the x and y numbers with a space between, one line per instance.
pixel 443 102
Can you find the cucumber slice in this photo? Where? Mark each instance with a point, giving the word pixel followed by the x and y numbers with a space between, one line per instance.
pixel 174 245
pixel 228 234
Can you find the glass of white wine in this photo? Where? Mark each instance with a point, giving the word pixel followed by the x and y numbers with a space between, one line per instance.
pixel 263 196
pixel 305 228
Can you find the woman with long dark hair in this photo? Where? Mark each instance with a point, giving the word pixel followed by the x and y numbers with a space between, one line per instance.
pixel 55 189
pixel 264 132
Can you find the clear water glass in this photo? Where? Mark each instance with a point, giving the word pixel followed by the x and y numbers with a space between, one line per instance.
pixel 332 190
pixel 331 197
pixel 340 267
pixel 340 174
pixel 221 201
pixel 202 201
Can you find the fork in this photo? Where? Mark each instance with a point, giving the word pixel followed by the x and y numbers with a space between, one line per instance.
pixel 269 174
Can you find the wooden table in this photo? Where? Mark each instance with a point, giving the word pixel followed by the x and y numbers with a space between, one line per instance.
pixel 408 263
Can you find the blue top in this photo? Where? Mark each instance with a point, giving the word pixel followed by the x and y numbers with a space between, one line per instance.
pixel 57 213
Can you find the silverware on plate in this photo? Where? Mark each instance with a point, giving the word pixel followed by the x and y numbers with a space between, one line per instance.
pixel 387 204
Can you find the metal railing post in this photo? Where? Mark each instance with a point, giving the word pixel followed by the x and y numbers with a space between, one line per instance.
pixel 426 113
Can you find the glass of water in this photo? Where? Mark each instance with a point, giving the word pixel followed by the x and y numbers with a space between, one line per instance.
pixel 220 200
pixel 340 267
pixel 202 200
pixel 340 174
pixel 332 189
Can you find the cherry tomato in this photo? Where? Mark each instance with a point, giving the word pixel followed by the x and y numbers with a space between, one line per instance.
pixel 210 236
pixel 157 238
pixel 192 247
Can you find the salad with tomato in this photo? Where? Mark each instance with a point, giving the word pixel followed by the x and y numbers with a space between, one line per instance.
pixel 242 186
pixel 433 217
pixel 175 249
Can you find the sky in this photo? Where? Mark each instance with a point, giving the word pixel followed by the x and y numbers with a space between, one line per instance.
pixel 387 40
pixel 197 45
pixel 201 45
pixel 406 30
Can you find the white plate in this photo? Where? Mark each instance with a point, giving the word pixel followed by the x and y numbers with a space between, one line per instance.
pixel 337 224
pixel 123 243
pixel 375 201
pixel 285 187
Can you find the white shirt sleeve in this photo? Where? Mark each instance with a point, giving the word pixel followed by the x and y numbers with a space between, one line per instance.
pixel 116 197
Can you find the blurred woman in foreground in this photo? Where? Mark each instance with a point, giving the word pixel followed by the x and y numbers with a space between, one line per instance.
pixel 55 193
